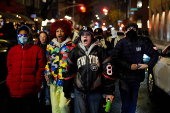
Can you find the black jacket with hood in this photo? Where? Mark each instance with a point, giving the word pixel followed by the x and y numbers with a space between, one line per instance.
pixel 128 52
pixel 89 70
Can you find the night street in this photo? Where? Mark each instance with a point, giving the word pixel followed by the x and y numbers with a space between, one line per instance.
pixel 144 105
pixel 50 49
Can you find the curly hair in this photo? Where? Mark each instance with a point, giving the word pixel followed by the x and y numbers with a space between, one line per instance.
pixel 63 24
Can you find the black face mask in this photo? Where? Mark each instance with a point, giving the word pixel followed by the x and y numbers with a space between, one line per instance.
pixel 99 37
pixel 132 35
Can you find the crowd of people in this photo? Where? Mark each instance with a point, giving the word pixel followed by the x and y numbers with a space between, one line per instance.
pixel 75 69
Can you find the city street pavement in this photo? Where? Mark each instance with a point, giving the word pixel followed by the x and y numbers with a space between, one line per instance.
pixel 144 103
pixel 4 97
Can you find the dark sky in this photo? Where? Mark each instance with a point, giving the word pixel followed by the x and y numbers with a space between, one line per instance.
pixel 101 4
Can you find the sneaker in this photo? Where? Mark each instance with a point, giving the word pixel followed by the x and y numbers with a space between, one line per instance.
pixel 47 102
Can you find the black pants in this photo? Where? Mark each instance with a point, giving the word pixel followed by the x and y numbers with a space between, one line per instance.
pixel 23 105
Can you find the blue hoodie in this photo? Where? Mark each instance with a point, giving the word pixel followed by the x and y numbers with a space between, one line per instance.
pixel 30 36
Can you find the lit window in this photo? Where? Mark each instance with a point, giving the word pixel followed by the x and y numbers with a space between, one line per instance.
pixel 139 23
pixel 148 23
pixel 139 3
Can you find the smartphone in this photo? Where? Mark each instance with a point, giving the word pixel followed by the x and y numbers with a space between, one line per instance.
pixel 139 66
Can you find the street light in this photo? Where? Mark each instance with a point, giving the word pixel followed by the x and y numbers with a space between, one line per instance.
pixel 67 17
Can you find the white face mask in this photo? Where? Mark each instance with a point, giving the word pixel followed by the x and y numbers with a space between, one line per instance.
pixel 23 40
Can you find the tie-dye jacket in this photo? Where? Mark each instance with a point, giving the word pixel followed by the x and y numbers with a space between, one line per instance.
pixel 57 54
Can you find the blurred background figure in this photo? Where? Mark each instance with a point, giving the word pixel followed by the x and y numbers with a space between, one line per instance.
pixel 75 34
pixel 106 37
pixel 108 32
pixel 114 38
pixel 43 40
pixel 98 35
pixel 104 33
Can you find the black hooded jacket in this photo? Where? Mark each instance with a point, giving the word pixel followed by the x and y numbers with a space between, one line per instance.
pixel 89 71
pixel 128 52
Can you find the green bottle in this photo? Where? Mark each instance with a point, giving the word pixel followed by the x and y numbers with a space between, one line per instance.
pixel 108 104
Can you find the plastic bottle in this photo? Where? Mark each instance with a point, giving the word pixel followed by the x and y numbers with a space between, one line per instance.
pixel 108 104
pixel 49 75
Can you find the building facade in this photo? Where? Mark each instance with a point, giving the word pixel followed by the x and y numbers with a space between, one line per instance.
pixel 136 11
pixel 159 21
pixel 21 12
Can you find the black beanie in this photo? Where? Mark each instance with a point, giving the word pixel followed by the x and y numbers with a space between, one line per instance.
pixel 98 31
pixel 131 25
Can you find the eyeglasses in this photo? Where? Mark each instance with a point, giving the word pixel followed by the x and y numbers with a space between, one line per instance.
pixel 83 34
pixel 128 29
pixel 20 35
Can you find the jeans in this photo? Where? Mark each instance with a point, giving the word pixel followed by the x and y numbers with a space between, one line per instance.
pixel 47 93
pixel 129 95
pixel 87 103
pixel 44 92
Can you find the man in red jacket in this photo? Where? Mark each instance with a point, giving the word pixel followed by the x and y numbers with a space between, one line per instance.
pixel 26 64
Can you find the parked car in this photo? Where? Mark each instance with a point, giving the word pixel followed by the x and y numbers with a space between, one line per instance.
pixel 5 46
pixel 120 34
pixel 148 40
pixel 159 76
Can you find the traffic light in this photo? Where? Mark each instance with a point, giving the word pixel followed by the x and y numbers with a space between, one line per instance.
pixel 104 23
pixel 122 25
pixel 83 9
pixel 96 23
pixel 105 11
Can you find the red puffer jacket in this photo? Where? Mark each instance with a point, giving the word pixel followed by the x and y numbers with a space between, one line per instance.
pixel 26 66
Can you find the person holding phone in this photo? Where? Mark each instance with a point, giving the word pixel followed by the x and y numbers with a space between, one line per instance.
pixel 127 57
